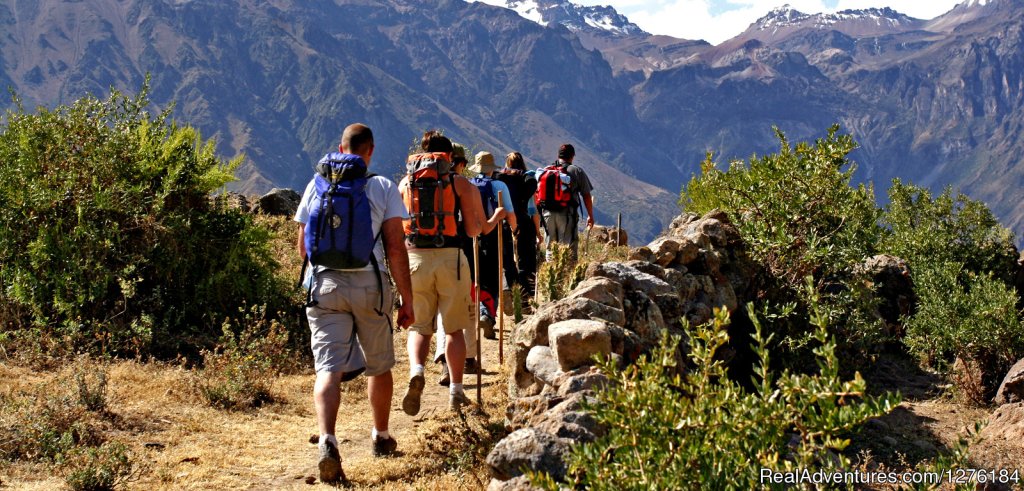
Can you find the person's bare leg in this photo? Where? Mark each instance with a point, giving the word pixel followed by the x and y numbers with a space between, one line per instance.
pixel 455 352
pixel 327 398
pixel 418 346
pixel 380 389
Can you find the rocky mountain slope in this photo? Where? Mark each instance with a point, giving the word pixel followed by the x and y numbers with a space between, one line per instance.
pixel 934 101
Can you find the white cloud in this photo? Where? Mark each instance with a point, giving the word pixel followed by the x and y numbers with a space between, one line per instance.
pixel 693 19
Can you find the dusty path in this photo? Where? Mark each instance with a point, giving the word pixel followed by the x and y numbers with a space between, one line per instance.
pixel 180 443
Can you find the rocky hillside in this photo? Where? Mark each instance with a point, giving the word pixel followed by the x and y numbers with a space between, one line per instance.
pixel 934 101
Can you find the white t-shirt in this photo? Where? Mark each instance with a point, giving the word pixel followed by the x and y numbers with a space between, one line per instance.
pixel 385 203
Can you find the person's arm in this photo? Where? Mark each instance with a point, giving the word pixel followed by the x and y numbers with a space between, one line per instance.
pixel 302 241
pixel 510 214
pixel 536 224
pixel 588 201
pixel 492 223
pixel 398 264
pixel 471 206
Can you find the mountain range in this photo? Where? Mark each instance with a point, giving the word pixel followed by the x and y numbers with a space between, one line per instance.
pixel 934 101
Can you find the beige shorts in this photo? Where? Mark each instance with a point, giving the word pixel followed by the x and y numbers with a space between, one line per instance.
pixel 347 332
pixel 440 285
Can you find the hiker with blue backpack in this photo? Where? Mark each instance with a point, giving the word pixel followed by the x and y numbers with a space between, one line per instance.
pixel 350 222
pixel 561 188
pixel 490 188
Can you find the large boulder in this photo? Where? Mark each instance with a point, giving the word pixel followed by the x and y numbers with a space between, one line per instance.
pixel 534 330
pixel 577 342
pixel 664 249
pixel 541 362
pixel 643 316
pixel 1006 424
pixel 278 202
pixel 1012 388
pixel 529 448
pixel 628 277
pixel 601 290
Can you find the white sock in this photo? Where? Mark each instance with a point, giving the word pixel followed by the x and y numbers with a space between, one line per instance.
pixel 455 388
pixel 415 370
pixel 383 435
pixel 329 438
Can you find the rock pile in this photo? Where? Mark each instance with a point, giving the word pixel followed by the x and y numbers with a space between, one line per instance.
pixel 621 310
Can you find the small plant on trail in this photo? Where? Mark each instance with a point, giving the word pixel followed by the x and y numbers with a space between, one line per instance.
pixel 557 277
pixel 91 381
pixel 703 430
pixel 104 468
pixel 240 372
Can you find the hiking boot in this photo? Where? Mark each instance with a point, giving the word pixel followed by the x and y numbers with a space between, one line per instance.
pixel 487 323
pixel 384 447
pixel 330 463
pixel 446 378
pixel 472 367
pixel 457 401
pixel 411 401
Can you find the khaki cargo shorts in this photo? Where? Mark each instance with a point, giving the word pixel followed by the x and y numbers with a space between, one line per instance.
pixel 347 333
pixel 440 285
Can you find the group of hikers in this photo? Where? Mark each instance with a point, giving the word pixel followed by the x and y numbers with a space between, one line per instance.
pixel 359 233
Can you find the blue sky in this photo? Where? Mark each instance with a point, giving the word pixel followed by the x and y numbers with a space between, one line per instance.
pixel 718 20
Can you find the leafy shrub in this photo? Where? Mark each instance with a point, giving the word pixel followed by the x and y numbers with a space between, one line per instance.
pixel 44 426
pixel 703 430
pixel 963 264
pixel 800 217
pixel 796 210
pixel 240 372
pixel 104 468
pixel 107 234
pixel 969 316
pixel 91 382
pixel 945 229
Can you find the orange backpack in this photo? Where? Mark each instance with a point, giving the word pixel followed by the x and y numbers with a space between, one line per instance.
pixel 431 201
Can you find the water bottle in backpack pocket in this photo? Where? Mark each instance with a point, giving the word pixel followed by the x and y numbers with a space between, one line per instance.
pixel 339 232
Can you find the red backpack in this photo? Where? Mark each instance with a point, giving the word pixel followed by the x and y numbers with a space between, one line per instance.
pixel 554 188
pixel 431 201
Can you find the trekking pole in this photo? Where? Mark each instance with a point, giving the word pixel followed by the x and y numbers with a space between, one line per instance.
pixel 479 335
pixel 618 230
pixel 501 294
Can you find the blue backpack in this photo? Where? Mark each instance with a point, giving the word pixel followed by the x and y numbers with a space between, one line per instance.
pixel 487 194
pixel 339 233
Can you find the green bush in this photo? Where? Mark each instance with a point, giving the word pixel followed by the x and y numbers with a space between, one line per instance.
pixel 796 210
pixel 945 229
pixel 703 430
pixel 240 371
pixel 800 216
pixel 963 264
pixel 104 468
pixel 108 238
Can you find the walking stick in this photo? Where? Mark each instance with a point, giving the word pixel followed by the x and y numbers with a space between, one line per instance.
pixel 501 294
pixel 479 335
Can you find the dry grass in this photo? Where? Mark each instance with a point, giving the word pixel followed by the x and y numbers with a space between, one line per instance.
pixel 179 442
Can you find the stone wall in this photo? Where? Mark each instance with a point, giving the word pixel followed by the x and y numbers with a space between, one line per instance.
pixel 621 310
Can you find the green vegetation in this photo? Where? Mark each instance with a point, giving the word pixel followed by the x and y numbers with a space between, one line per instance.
pixel 800 215
pixel 110 242
pixel 240 371
pixel 703 430
pixel 963 266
